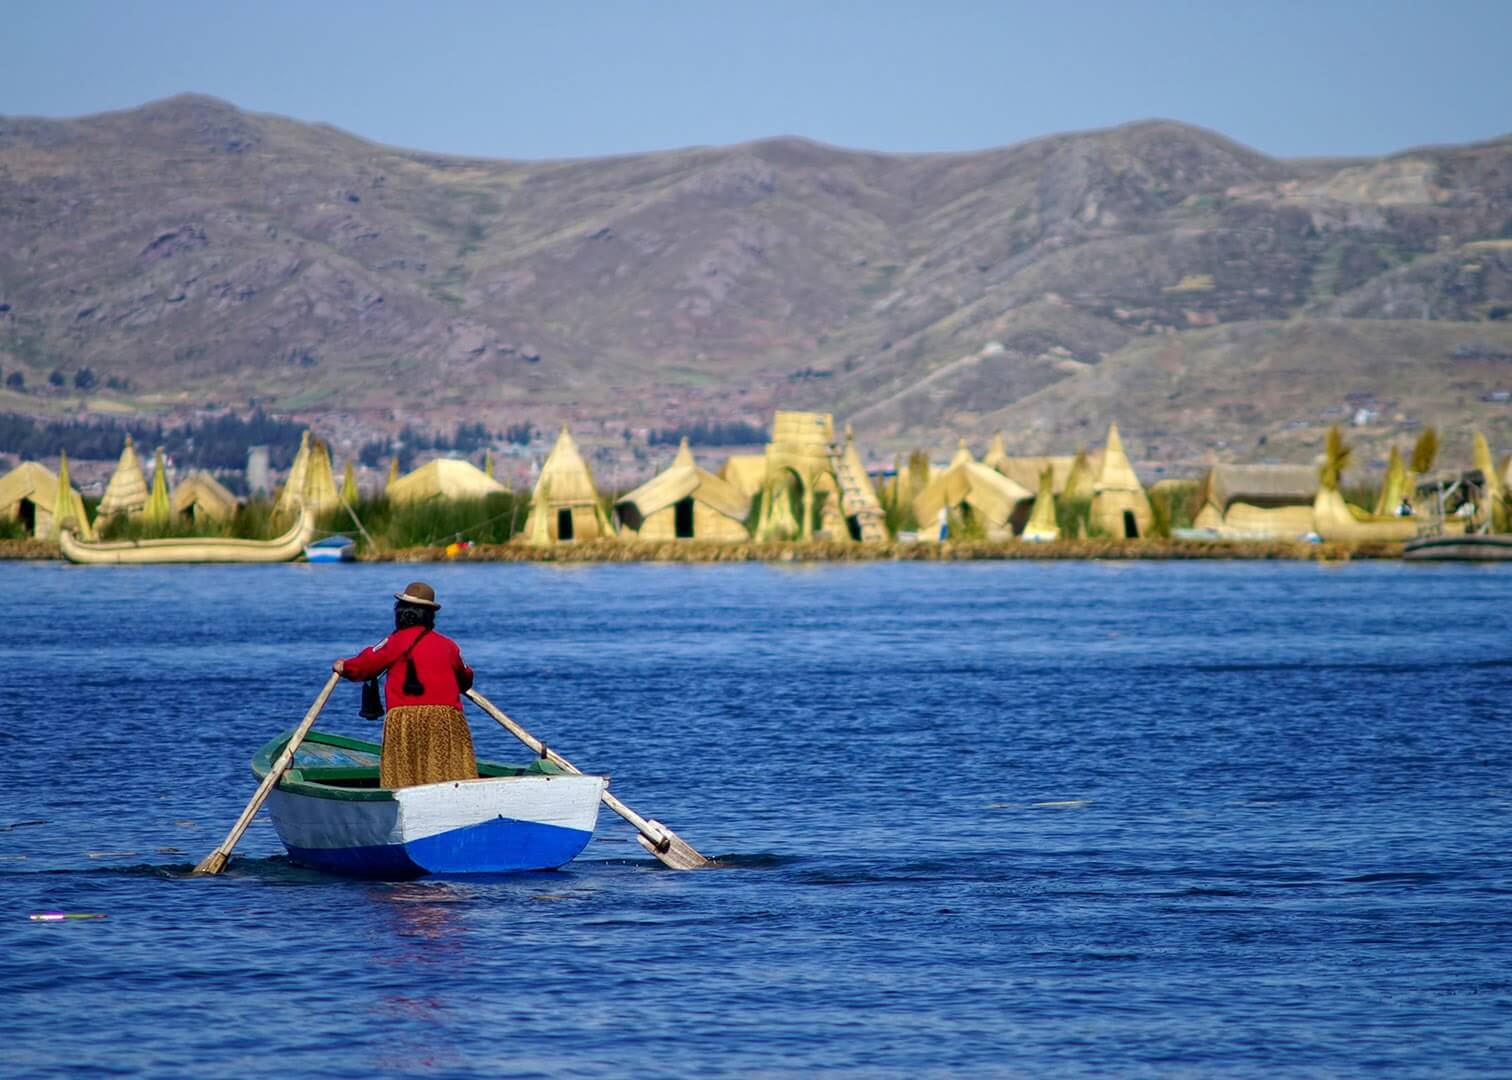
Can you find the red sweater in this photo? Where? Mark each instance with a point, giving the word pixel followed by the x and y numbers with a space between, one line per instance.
pixel 438 664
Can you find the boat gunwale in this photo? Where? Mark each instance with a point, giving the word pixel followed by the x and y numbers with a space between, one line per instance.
pixel 294 782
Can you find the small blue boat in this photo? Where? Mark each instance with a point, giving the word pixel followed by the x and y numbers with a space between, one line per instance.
pixel 331 814
pixel 331 549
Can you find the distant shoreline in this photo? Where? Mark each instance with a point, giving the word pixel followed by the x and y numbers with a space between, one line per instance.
pixel 960 551
pixel 693 551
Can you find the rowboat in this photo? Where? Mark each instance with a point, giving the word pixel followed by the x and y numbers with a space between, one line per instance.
pixel 331 814
pixel 1475 547
pixel 331 549
pixel 192 549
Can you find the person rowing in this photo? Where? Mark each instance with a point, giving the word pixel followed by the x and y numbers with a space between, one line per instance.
pixel 426 739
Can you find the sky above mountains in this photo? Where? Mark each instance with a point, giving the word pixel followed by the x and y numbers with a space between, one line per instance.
pixel 533 81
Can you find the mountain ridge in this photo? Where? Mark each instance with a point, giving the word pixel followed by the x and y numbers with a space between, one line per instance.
pixel 191 251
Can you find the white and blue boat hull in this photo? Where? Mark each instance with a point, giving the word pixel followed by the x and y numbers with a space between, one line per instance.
pixel 483 826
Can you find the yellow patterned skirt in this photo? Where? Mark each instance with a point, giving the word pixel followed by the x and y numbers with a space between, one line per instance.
pixel 425 744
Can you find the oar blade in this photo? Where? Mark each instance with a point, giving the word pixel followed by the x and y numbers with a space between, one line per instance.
pixel 673 851
pixel 212 863
pixel 215 862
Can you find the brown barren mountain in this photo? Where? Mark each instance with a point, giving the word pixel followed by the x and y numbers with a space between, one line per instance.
pixel 1209 298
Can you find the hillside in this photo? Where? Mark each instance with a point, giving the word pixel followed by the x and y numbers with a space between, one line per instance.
pixel 1209 297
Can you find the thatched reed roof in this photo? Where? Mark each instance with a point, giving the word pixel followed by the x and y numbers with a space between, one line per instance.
pixel 311 481
pixel 681 479
pixel 1080 480
pixel 1115 473
pixel 745 472
pixel 565 478
pixel 203 496
pixel 1260 485
pixel 444 478
pixel 42 487
pixel 988 492
pixel 127 491
pixel 1025 472
pixel 1042 524
pixel 996 453
pixel 28 480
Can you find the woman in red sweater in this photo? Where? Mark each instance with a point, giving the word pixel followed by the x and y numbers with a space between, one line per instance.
pixel 425 736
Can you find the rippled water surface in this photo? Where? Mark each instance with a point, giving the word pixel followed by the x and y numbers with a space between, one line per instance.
pixel 998 819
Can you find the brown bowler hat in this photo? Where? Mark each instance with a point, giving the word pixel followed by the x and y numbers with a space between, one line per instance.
pixel 418 592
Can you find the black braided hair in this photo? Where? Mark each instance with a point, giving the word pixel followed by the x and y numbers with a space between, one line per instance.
pixel 406 615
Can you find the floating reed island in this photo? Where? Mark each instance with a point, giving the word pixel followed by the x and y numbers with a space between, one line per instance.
pixel 807 497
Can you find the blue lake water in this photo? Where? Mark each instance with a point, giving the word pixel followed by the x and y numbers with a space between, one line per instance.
pixel 1007 819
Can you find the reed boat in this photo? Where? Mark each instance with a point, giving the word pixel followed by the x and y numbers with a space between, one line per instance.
pixel 331 814
pixel 192 549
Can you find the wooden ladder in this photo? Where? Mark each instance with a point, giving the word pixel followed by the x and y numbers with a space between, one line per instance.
pixel 853 502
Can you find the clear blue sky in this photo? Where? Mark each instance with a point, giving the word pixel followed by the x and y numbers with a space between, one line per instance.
pixel 561 79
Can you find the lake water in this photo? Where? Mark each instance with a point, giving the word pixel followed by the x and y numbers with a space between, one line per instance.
pixel 1000 819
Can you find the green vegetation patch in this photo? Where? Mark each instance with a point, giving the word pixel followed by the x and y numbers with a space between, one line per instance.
pixel 493 519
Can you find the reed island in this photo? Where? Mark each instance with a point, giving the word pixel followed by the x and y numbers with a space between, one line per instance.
pixel 807 496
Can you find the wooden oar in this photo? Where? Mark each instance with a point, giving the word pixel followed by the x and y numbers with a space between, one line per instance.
pixel 655 837
pixel 215 862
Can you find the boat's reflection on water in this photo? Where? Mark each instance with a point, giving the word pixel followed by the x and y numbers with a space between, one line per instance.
pixel 426 910
pixel 427 936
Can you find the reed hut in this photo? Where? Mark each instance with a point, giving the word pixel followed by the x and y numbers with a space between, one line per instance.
pixel 311 482
pixel 1042 526
pixel 684 502
pixel 974 494
pixel 444 478
pixel 1120 507
pixel 565 505
pixel 1272 501
pixel 126 493
pixel 203 498
pixel 43 501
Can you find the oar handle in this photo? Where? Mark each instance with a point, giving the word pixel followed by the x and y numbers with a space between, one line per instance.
pixel 659 838
pixel 215 862
pixel 535 744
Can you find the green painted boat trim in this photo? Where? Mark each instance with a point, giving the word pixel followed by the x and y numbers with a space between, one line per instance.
pixel 327 781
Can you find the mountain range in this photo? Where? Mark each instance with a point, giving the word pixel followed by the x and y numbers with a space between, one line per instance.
pixel 1211 299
